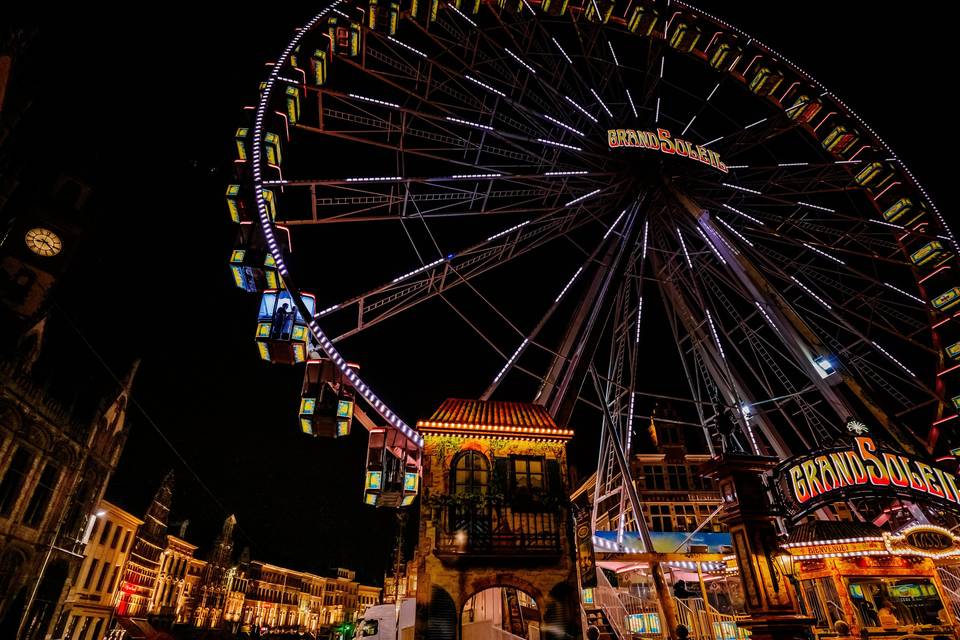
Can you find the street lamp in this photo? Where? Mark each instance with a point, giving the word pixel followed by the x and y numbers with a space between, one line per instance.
pixel 787 565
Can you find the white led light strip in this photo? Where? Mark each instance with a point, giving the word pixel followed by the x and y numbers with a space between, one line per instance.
pixel 580 109
pixel 560 124
pixel 811 293
pixel 406 46
pixel 710 244
pixel 517 58
pixel 684 246
pixel 583 197
pixel 506 231
pixel 568 285
pixel 735 232
pixel 485 85
pixel 614 225
pixel 425 267
pixel 263 108
pixel 741 213
pixel 823 253
pixel 558 144
pixel 716 336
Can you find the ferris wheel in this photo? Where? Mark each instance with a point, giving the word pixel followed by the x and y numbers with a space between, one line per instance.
pixel 548 175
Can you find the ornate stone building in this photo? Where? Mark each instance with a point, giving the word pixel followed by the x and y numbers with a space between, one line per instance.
pixel 217 581
pixel 143 568
pixel 170 590
pixel 495 516
pixel 54 468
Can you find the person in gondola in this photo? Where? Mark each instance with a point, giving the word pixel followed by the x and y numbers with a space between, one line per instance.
pixel 282 323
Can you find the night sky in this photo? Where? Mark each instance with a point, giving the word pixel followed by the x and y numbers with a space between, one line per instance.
pixel 146 100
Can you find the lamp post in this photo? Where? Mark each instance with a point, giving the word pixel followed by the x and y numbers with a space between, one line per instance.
pixel 750 518
pixel 787 565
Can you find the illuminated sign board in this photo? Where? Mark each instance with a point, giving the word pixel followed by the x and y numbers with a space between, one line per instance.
pixel 661 140
pixel 860 467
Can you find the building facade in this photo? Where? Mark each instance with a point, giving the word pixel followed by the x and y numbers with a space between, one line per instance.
pixel 279 599
pixel 54 469
pixel 89 603
pixel 403 585
pixel 143 568
pixel 170 589
pixel 495 515
pixel 674 495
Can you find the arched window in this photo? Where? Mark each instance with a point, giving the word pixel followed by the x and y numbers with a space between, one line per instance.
pixel 470 473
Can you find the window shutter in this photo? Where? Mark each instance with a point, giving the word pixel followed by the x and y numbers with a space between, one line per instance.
pixel 554 478
pixel 501 476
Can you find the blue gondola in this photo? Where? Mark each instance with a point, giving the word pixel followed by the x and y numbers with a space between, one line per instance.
pixel 282 333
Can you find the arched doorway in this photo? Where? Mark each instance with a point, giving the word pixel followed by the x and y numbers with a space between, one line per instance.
pixel 500 613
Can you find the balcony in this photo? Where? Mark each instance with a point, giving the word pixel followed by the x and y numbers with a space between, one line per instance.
pixel 494 530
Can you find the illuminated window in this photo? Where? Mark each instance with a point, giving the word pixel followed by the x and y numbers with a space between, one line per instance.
pixel 92 570
pixel 677 473
pixel 895 602
pixel 13 479
pixel 653 477
pixel 700 482
pixel 527 473
pixel 660 518
pixel 37 508
pixel 105 533
pixel 703 512
pixel 470 473
pixel 686 517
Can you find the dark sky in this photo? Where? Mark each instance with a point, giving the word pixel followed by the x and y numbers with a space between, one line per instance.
pixel 146 100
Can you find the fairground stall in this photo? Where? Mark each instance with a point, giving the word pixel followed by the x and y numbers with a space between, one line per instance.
pixel 854 577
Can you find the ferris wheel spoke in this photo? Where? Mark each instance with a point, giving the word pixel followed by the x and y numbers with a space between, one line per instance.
pixel 435 277
pixel 572 82
pixel 828 312
pixel 530 339
pixel 498 84
pixel 862 299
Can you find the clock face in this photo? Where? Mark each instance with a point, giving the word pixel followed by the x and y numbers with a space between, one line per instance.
pixel 43 242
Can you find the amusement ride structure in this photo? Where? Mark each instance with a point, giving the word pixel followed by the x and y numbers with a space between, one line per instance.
pixel 593 189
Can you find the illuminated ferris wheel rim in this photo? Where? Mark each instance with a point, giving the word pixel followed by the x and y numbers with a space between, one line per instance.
pixel 268 226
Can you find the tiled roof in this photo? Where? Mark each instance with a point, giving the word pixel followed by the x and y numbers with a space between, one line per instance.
pixel 831 531
pixel 494 416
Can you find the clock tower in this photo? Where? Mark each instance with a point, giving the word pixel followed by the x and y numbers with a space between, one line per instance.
pixel 40 235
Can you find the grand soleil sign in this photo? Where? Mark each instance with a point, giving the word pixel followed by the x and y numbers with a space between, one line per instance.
pixel 662 141
pixel 860 466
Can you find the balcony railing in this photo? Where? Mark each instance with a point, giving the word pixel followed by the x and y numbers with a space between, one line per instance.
pixel 497 530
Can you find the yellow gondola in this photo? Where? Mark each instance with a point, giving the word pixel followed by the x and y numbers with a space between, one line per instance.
pixel 282 334
pixel 604 7
pixel 723 53
pixel 929 254
pixel 326 400
pixel 953 351
pixel 393 469
pixel 251 264
pixel 684 35
pixel 643 20
pixel 840 139
pixel 764 79
pixel 554 7
pixel 947 300
pixel 904 212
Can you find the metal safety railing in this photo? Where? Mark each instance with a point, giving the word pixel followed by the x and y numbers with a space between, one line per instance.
pixel 706 623
pixel 950 580
pixel 629 615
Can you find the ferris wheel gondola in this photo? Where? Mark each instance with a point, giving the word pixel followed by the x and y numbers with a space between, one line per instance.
pixel 808 272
